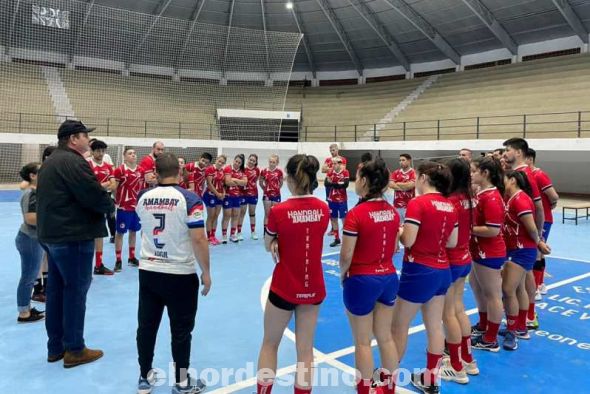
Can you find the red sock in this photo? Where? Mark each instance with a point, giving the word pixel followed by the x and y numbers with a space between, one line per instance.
pixel 297 390
pixel 213 231
pixel 512 322
pixel 132 252
pixel 432 366
pixel 491 334
pixel 538 274
pixel 363 386
pixel 224 232
pixel 466 347
pixel 252 227
pixel 531 314
pixel 454 349
pixel 232 231
pixel 239 228
pixel 263 388
pixel 98 256
pixel 522 319
pixel 336 234
pixel 117 255
pixel 389 383
pixel 483 321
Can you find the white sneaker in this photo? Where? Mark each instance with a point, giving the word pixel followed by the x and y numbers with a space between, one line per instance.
pixel 471 368
pixel 538 296
pixel 224 239
pixel 543 289
pixel 234 238
pixel 448 373
pixel 254 236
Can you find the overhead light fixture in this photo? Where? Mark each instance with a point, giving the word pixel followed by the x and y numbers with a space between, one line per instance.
pixel 289 5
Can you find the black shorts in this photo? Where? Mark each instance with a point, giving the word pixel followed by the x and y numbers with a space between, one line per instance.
pixel 281 303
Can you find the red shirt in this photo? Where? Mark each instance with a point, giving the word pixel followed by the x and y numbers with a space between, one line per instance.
pixel 233 191
pixel 375 224
pixel 300 224
pixel 436 217
pixel 489 211
pixel 272 181
pixel 197 176
pixel 329 163
pixel 130 183
pixel 531 178
pixel 103 172
pixel 459 255
pixel 402 198
pixel 515 233
pixel 338 195
pixel 251 188
pixel 148 163
pixel 544 183
pixel 217 177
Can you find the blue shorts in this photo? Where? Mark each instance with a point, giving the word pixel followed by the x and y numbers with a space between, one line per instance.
pixel 459 271
pixel 127 220
pixel 494 263
pixel 419 283
pixel 230 202
pixel 211 200
pixel 249 200
pixel 361 292
pixel 546 230
pixel 272 198
pixel 524 257
pixel 338 209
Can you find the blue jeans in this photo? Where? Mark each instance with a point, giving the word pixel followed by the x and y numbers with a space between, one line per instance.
pixel 30 261
pixel 69 278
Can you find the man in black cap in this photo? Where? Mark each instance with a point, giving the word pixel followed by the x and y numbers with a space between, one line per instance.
pixel 70 215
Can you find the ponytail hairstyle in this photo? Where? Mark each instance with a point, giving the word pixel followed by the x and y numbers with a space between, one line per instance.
pixel 27 170
pixel 303 170
pixel 494 169
pixel 241 157
pixel 377 176
pixel 439 176
pixel 461 183
pixel 521 181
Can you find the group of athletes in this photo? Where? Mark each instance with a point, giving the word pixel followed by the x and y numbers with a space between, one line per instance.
pixel 486 218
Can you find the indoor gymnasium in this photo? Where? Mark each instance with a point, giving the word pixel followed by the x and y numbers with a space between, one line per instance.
pixel 294 196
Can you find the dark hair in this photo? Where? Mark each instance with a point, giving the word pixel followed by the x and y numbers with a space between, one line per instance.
pixel 167 165
pixel 207 155
pixel 377 176
pixel 406 155
pixel 461 182
pixel 519 144
pixel 521 181
pixel 47 152
pixel 532 154
pixel 439 176
pixel 240 156
pixel 127 149
pixel 366 157
pixel 494 169
pixel 98 144
pixel 27 170
pixel 499 150
pixel 303 169
pixel 254 155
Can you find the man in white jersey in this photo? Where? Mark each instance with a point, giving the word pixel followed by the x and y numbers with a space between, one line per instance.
pixel 173 240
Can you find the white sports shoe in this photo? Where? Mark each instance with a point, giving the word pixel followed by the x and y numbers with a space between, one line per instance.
pixel 448 373
pixel 224 239
pixel 240 237
pixel 471 368
pixel 538 296
pixel 254 236
pixel 543 289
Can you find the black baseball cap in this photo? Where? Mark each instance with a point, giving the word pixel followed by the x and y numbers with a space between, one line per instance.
pixel 70 127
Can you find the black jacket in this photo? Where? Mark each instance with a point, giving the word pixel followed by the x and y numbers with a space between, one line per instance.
pixel 71 204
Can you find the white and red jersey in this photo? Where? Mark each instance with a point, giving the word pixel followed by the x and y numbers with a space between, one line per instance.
pixel 459 255
pixel 103 172
pixel 515 233
pixel 532 181
pixel 375 224
pixel 251 188
pixel 130 182
pixel 544 183
pixel 148 163
pixel 233 191
pixel 217 178
pixel 299 224
pixel 402 198
pixel 489 211
pixel 436 217
pixel 338 195
pixel 328 162
pixel 272 181
pixel 197 176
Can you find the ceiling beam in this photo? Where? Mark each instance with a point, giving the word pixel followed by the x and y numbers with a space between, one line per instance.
pixel 337 26
pixel 158 11
pixel 425 28
pixel 229 23
pixel 369 16
pixel 193 23
pixel 572 19
pixel 486 16
pixel 306 45
pixel 265 38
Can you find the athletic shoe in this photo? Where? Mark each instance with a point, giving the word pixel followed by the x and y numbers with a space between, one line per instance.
pixel 418 382
pixel 233 238
pixel 118 266
pixel 520 334
pixel 133 262
pixel 533 324
pixel 476 330
pixel 510 341
pixel 38 297
pixel 224 239
pixel 102 270
pixel 215 241
pixel 194 387
pixel 240 237
pixel 538 296
pixel 145 386
pixel 543 289
pixel 334 243
pixel 479 343
pixel 472 368
pixel 448 373
pixel 254 236
pixel 34 315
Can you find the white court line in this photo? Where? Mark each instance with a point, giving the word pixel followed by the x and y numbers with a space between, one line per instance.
pixel 331 358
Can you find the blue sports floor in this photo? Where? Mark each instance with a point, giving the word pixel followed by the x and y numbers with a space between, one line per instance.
pixel 229 327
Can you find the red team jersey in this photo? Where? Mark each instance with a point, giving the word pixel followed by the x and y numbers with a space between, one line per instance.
pixel 329 163
pixel 251 188
pixel 531 178
pixel 218 177
pixel 197 176
pixel 459 255
pixel 489 211
pixel 402 198
pixel 375 224
pixel 148 163
pixel 130 183
pixel 300 224
pixel 544 183
pixel 338 195
pixel 436 217
pixel 233 191
pixel 272 179
pixel 103 172
pixel 515 233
